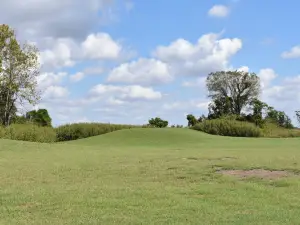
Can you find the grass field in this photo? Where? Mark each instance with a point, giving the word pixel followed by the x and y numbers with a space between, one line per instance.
pixel 148 176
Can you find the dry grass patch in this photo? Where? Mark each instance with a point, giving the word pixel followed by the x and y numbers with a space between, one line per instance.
pixel 259 173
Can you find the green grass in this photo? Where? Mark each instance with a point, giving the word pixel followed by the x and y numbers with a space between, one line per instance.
pixel 148 176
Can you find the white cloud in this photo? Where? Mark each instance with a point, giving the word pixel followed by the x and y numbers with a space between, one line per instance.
pixel 132 92
pixel 45 80
pixel 266 76
pixel 143 71
pixel 77 77
pixel 57 18
pixel 60 55
pixel 101 46
pixel 219 11
pixel 243 69
pixel 55 92
pixel 294 52
pixel 209 54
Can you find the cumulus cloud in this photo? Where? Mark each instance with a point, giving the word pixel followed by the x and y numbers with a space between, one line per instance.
pixel 142 71
pixel 294 52
pixel 55 92
pixel 45 80
pixel 101 46
pixel 132 92
pixel 60 55
pixel 207 55
pixel 56 18
pixel 266 76
pixel 219 11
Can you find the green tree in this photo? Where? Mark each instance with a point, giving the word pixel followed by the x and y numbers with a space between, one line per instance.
pixel 40 117
pixel 158 122
pixel 191 120
pixel 19 68
pixel 238 86
pixel 298 116
pixel 257 111
pixel 220 107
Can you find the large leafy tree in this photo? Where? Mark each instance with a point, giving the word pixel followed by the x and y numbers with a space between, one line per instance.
pixel 238 87
pixel 19 67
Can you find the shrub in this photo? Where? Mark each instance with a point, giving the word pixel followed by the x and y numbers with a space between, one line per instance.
pixel 225 127
pixel 275 131
pixel 28 132
pixel 158 122
pixel 76 131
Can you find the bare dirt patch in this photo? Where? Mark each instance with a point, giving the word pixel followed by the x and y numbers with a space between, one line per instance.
pixel 259 173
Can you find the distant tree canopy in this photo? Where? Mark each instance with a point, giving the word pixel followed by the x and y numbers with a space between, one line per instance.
pixel 158 122
pixel 19 68
pixel 191 120
pixel 298 116
pixel 232 91
pixel 39 117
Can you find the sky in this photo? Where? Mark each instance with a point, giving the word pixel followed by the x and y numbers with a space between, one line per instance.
pixel 126 61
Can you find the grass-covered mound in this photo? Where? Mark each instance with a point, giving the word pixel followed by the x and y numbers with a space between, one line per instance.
pixel 149 176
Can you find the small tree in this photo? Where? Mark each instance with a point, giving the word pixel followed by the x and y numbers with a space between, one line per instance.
pixel 238 87
pixel 39 117
pixel 18 72
pixel 158 122
pixel 191 120
pixel 257 114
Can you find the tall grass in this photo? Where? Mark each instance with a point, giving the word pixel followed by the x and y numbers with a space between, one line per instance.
pixel 28 132
pixel 83 130
pixel 225 127
pixel 274 131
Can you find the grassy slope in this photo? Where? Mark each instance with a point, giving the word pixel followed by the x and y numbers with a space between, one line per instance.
pixel 147 176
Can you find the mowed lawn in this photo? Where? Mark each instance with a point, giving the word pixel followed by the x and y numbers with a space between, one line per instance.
pixel 148 176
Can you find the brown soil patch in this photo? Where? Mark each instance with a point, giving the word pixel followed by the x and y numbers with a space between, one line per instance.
pixel 260 173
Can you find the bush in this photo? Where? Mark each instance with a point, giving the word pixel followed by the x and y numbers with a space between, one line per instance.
pixel 275 131
pixel 28 132
pixel 225 127
pixel 158 122
pixel 83 130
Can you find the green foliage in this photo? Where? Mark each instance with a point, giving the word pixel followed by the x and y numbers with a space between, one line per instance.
pixel 39 117
pixel 279 118
pixel 83 130
pixel 191 120
pixel 272 130
pixel 28 132
pixel 158 122
pixel 177 126
pixel 220 107
pixel 234 89
pixel 257 112
pixel 226 127
pixel 298 116
pixel 18 80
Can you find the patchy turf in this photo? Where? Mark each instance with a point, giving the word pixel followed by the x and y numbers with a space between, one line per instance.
pixel 149 176
pixel 259 173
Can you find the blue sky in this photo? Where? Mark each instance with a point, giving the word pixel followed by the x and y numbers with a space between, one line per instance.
pixel 126 61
